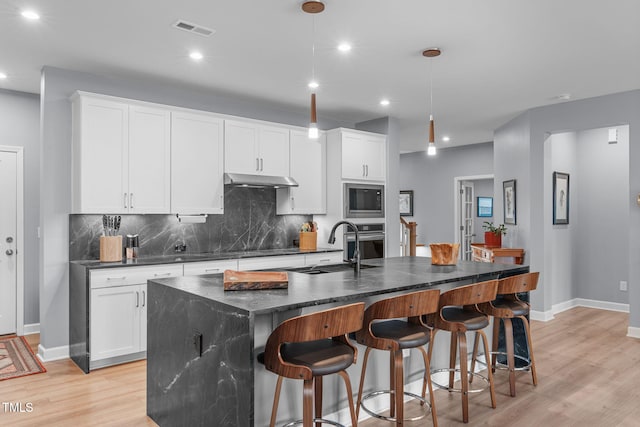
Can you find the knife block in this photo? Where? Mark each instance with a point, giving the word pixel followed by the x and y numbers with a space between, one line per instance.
pixel 308 240
pixel 110 248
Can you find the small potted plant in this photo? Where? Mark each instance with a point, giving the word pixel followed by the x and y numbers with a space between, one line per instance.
pixel 493 234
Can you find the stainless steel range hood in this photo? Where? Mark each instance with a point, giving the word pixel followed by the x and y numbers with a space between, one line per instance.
pixel 259 181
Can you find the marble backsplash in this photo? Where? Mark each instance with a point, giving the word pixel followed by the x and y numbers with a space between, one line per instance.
pixel 249 223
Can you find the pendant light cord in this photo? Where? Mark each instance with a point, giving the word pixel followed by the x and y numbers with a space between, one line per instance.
pixel 313 48
pixel 431 86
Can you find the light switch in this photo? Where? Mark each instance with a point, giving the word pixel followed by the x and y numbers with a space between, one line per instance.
pixel 613 136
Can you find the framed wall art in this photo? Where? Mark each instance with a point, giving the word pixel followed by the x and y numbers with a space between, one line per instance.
pixel 484 207
pixel 560 198
pixel 406 203
pixel 509 201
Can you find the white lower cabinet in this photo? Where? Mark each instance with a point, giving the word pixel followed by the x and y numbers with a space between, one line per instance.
pixel 118 317
pixel 118 312
pixel 323 258
pixel 271 262
pixel 209 267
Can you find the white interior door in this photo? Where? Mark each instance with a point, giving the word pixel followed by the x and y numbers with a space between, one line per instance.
pixel 8 234
pixel 466 219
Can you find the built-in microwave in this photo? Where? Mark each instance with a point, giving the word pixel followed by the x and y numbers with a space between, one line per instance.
pixel 363 200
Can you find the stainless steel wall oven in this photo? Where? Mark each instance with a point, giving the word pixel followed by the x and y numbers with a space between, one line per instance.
pixel 372 241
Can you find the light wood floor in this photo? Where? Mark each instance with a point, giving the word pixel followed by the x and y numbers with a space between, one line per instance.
pixel 588 375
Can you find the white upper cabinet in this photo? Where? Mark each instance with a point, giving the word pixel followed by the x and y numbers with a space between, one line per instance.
pixel 121 157
pixel 309 169
pixel 100 144
pixel 252 148
pixel 197 161
pixel 363 156
pixel 149 160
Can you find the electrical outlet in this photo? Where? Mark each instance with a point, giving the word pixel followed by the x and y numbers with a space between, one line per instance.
pixel 623 285
pixel 406 352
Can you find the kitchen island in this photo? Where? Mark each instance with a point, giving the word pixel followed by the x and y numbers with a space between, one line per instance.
pixel 203 341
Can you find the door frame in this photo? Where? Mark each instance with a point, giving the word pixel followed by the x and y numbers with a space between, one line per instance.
pixel 19 151
pixel 456 200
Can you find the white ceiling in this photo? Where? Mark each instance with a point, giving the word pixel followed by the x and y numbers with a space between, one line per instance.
pixel 500 57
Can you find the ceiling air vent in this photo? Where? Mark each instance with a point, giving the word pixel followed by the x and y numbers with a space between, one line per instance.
pixel 193 28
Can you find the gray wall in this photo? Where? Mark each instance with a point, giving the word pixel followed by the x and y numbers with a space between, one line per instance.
pixel 519 153
pixel 603 215
pixel 19 126
pixel 55 181
pixel 561 261
pixel 432 179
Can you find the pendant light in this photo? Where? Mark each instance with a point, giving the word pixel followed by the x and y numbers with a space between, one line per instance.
pixel 313 7
pixel 431 53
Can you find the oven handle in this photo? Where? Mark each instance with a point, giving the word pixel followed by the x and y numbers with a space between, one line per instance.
pixel 351 237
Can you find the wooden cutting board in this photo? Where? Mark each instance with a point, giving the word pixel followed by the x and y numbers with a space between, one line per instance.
pixel 255 280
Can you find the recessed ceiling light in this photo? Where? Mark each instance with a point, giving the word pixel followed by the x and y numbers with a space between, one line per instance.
pixel 384 102
pixel 313 85
pixel 344 47
pixel 196 56
pixel 446 139
pixel 30 15
pixel 2 76
pixel 563 97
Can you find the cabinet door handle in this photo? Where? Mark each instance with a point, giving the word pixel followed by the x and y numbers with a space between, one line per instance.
pixel 293 203
pixel 367 169
pixel 363 170
pixel 161 274
pixel 125 200
pixel 257 164
pixel 207 270
pixel 137 299
pixel 261 164
pixel 116 278
pixel 144 298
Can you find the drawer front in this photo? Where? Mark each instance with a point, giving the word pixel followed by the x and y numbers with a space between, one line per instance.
pixel 268 262
pixel 209 267
pixel 326 258
pixel 132 275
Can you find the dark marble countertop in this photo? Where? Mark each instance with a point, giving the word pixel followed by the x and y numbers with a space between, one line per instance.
pixel 391 275
pixel 195 257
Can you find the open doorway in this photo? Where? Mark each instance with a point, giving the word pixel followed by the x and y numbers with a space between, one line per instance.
pixel 467 225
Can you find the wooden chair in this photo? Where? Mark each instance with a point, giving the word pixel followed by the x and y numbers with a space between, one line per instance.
pixel 309 347
pixel 505 308
pixel 458 313
pixel 385 328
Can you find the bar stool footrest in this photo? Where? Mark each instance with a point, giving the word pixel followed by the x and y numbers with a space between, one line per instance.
pixel 504 366
pixel 457 389
pixel 425 405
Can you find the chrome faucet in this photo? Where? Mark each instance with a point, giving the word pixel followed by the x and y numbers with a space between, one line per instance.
pixel 355 261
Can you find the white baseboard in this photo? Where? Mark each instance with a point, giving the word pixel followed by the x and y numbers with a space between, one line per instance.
pixel 54 353
pixel 30 329
pixel 545 316
pixel 541 316
pixel 603 305
pixel 633 332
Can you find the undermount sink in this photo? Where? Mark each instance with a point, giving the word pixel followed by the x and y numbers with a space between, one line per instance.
pixel 329 268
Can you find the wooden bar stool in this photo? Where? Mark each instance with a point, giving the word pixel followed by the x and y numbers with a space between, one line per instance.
pixel 385 328
pixel 458 313
pixel 309 347
pixel 506 307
